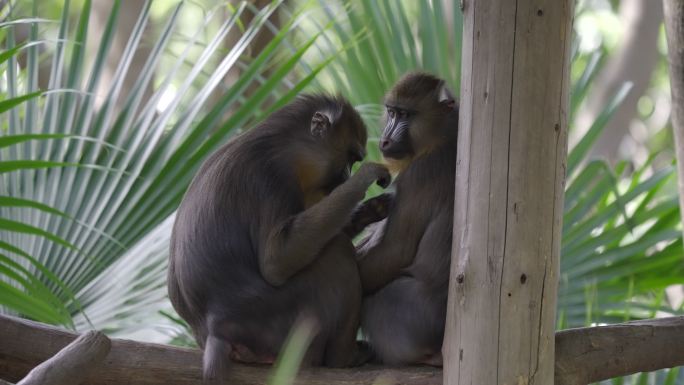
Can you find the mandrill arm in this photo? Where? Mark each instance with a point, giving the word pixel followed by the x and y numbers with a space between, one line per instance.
pixel 295 242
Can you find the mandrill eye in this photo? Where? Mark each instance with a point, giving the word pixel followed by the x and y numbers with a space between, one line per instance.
pixel 390 113
pixel 403 114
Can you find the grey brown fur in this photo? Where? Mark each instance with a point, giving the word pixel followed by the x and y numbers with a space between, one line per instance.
pixel 258 240
pixel 405 262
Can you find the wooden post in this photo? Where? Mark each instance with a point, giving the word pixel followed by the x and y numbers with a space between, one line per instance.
pixel 509 192
pixel 674 29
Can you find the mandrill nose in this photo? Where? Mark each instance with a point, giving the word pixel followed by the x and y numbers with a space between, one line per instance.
pixel 385 144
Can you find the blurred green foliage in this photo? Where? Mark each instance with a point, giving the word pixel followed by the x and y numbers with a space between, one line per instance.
pixel 88 190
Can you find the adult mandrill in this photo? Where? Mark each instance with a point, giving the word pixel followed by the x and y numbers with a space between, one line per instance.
pixel 405 262
pixel 258 240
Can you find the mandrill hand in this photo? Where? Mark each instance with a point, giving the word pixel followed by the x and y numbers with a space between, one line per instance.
pixel 370 211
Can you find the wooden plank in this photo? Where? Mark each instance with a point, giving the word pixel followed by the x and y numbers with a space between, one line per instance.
pixel 509 191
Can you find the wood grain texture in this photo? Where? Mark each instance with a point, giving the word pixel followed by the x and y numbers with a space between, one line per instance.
pixel 25 344
pixel 583 354
pixel 509 189
pixel 72 364
pixel 588 355
pixel 674 30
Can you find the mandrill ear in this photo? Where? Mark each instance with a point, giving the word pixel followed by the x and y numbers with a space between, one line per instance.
pixel 445 96
pixel 320 124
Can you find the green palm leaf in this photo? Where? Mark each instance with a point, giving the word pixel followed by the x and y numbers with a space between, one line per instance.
pixel 105 177
pixel 101 175
pixel 617 228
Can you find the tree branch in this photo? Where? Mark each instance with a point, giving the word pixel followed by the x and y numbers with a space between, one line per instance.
pixel 674 30
pixel 633 60
pixel 73 363
pixel 26 344
pixel 583 355
pixel 587 355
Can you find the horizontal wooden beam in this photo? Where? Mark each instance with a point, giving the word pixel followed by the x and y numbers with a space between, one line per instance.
pixel 72 364
pixel 583 355
pixel 25 344
pixel 588 355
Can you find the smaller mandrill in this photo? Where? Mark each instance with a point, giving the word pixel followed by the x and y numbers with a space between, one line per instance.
pixel 262 238
pixel 404 263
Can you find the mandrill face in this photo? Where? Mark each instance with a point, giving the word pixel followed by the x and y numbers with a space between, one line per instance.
pixel 416 109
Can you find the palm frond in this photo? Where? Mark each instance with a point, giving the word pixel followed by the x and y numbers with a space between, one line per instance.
pixel 90 181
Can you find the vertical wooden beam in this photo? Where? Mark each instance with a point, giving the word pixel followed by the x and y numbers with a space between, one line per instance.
pixel 509 192
pixel 674 29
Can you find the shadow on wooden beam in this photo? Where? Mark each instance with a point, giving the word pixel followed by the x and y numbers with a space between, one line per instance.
pixel 583 356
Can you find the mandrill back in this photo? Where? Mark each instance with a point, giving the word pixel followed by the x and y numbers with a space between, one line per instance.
pixel 215 239
pixel 258 240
